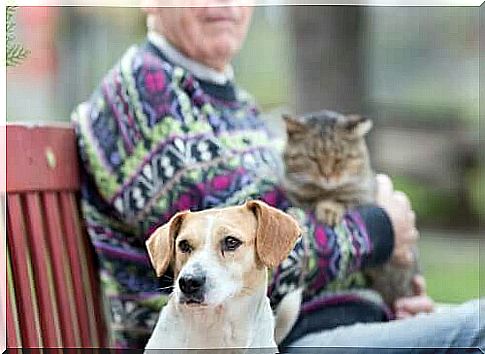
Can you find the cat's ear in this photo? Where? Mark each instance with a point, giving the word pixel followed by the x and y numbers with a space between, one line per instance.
pixel 358 126
pixel 293 125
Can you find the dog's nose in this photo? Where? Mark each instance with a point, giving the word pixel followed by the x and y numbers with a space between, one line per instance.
pixel 191 284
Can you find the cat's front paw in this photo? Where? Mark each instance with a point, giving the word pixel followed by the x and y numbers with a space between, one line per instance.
pixel 329 213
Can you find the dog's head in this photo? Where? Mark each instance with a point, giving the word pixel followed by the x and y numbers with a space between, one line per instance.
pixel 218 254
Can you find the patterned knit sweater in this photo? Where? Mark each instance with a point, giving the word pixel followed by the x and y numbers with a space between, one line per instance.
pixel 154 140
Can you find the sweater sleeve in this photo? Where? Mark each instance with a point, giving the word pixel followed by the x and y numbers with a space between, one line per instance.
pixel 381 234
pixel 326 254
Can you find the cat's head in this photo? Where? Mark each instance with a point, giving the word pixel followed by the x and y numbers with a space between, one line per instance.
pixel 326 149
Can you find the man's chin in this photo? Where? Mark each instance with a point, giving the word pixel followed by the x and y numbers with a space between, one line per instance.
pixel 224 46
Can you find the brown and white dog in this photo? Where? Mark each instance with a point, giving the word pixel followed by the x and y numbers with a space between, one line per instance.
pixel 220 259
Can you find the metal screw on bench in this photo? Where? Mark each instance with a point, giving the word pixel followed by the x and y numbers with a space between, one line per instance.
pixel 50 157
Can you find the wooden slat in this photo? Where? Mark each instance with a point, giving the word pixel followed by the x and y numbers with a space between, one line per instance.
pixel 62 275
pixel 29 150
pixel 88 272
pixel 28 308
pixel 93 277
pixel 3 276
pixel 3 160
pixel 77 271
pixel 13 330
pixel 44 280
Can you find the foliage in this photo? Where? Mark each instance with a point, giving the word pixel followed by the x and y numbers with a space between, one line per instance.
pixel 15 53
pixel 429 203
pixel 476 191
pixel 460 257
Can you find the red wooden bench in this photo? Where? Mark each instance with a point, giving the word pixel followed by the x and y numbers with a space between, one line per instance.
pixel 52 285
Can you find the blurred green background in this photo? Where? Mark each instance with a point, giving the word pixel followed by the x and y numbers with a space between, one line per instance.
pixel 414 71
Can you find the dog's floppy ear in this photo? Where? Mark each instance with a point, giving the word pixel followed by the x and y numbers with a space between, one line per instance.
pixel 160 244
pixel 276 233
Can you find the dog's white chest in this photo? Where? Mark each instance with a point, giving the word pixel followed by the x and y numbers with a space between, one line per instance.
pixel 213 328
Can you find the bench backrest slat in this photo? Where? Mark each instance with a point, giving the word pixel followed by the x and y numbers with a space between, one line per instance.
pixel 53 290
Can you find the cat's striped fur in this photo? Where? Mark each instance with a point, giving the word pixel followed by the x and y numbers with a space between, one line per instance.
pixel 328 169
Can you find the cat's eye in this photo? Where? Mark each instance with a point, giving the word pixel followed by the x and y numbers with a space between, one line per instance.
pixel 230 243
pixel 184 246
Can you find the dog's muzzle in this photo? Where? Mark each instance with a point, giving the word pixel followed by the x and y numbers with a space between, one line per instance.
pixel 193 288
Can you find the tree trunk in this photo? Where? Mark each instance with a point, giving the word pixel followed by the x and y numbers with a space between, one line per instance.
pixel 328 62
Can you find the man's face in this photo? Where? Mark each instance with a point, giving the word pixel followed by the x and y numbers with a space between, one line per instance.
pixel 210 35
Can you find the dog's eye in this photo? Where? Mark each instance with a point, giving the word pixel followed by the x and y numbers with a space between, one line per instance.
pixel 184 246
pixel 230 243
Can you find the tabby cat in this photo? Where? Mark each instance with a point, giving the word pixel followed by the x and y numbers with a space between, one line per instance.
pixel 328 170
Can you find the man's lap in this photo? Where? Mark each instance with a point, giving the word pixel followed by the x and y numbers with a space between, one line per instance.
pixel 460 326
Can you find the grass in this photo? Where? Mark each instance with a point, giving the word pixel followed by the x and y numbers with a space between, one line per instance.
pixel 476 182
pixel 451 267
pixel 428 203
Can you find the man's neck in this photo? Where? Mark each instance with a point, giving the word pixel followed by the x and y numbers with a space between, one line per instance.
pixel 199 70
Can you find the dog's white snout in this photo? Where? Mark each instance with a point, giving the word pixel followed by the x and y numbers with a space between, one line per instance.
pixel 192 284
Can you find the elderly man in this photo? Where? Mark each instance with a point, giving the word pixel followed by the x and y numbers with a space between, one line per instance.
pixel 167 130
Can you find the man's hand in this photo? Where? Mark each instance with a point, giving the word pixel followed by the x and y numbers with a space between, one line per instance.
pixel 409 306
pixel 398 208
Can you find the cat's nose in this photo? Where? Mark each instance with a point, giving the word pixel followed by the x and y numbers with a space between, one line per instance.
pixel 328 178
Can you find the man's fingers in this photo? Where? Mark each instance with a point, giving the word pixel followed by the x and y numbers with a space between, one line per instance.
pixel 403 257
pixel 402 198
pixel 419 285
pixel 385 187
pixel 412 217
pixel 400 315
pixel 414 304
pixel 414 235
pixel 409 258
pixel 383 178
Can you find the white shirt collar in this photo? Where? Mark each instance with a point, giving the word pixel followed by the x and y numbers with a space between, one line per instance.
pixel 199 70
